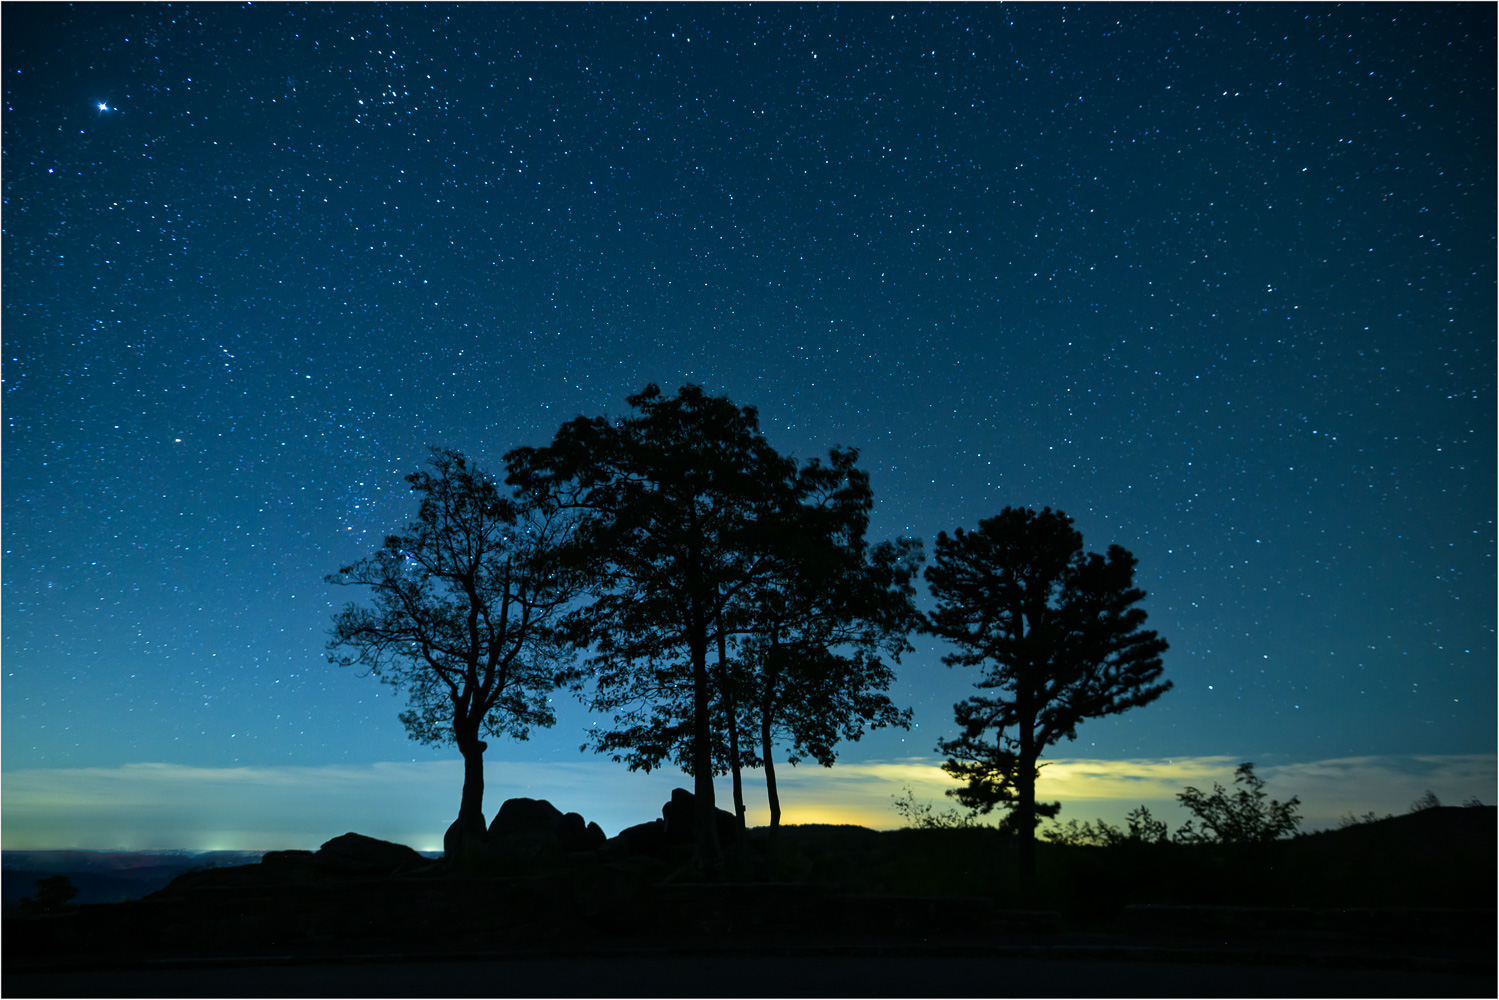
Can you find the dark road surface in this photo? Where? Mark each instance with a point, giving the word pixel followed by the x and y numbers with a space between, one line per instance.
pixel 806 975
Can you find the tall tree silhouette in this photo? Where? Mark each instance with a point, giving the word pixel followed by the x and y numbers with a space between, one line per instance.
pixel 677 498
pixel 806 667
pixel 1059 640
pixel 688 509
pixel 810 670
pixel 463 615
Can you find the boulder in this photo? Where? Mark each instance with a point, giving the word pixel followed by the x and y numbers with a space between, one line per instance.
pixel 356 854
pixel 642 840
pixel 463 836
pixel 574 835
pixel 681 820
pixel 532 828
pixel 525 818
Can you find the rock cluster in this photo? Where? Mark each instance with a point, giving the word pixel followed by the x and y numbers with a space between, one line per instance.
pixel 526 829
pixel 524 832
pixel 676 827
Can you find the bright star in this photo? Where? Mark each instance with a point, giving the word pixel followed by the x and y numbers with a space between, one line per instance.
pixel 103 107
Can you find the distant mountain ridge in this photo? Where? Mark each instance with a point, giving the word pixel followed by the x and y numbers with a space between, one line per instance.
pixel 112 876
pixel 107 876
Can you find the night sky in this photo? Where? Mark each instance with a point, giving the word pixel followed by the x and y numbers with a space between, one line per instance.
pixel 1218 282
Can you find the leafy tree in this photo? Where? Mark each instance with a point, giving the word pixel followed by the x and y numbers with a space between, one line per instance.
pixel 697 533
pixel 680 500
pixel 1244 817
pixel 1059 640
pixel 810 670
pixel 463 615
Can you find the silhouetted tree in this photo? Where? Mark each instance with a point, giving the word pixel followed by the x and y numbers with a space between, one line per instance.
pixel 679 498
pixel 1245 817
pixel 654 718
pixel 462 618
pixel 1059 640
pixel 53 895
pixel 809 670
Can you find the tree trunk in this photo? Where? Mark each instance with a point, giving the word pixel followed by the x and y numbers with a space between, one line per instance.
pixel 1025 781
pixel 464 841
pixel 770 772
pixel 767 711
pixel 707 851
pixel 731 712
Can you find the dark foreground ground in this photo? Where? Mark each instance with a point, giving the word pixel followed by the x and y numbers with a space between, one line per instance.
pixel 1403 909
pixel 907 971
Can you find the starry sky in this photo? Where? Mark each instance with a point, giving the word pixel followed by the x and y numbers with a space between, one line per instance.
pixel 1217 281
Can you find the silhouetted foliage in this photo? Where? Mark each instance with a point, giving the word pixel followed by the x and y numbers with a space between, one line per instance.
pixel 53 894
pixel 462 618
pixel 681 503
pixel 1247 816
pixel 1140 828
pixel 1059 640
pixel 1427 800
pixel 809 669
pixel 921 816
pixel 697 533
pixel 1350 821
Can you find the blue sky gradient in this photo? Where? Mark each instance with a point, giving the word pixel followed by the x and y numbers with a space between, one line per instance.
pixel 1218 282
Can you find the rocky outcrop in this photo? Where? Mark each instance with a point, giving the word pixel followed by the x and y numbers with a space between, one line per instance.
pixel 356 854
pixel 575 835
pixel 642 840
pixel 681 820
pixel 532 828
pixel 677 828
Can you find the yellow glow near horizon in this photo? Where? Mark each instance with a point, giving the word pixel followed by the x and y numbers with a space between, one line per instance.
pixel 162 806
pixel 833 815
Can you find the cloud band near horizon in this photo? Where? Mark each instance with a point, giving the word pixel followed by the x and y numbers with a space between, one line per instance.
pixel 161 806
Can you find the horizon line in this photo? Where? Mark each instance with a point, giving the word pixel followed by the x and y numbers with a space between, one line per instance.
pixel 292 806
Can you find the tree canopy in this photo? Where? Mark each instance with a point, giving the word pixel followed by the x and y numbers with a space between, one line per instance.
pixel 462 617
pixel 1058 637
pixel 677 501
pixel 690 523
pixel 812 668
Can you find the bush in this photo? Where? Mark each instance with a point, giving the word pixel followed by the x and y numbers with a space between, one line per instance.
pixel 1245 817
pixel 1141 828
pixel 52 895
pixel 919 815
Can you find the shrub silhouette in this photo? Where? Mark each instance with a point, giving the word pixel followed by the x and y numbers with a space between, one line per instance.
pixel 52 895
pixel 1245 817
